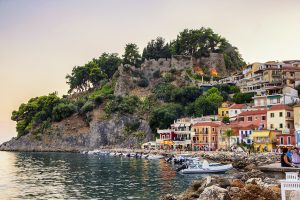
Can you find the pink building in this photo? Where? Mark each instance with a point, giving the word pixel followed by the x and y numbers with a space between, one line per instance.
pixel 253 117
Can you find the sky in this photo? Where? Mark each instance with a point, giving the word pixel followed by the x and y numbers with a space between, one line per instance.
pixel 42 40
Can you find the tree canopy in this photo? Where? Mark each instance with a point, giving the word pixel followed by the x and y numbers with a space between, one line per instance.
pixel 91 74
pixel 156 49
pixel 131 55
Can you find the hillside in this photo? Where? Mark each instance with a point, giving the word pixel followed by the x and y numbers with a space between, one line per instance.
pixel 121 102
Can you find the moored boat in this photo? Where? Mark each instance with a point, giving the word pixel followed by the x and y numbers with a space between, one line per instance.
pixel 205 167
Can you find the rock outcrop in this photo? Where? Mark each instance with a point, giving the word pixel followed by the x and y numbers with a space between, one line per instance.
pixel 221 188
pixel 74 135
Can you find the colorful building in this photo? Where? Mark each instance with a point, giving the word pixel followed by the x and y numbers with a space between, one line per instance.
pixel 264 140
pixel 253 117
pixel 236 109
pixel 223 110
pixel 296 110
pixel 281 117
pixel 206 136
pixel 285 139
pixel 245 133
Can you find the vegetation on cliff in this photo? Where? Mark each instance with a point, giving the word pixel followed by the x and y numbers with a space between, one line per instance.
pixel 92 85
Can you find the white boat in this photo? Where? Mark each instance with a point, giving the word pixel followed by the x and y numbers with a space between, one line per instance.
pixel 205 167
pixel 154 157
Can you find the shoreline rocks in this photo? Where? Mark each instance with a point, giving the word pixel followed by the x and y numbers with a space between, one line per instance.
pixel 222 188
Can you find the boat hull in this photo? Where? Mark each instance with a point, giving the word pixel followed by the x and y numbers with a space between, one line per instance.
pixel 222 169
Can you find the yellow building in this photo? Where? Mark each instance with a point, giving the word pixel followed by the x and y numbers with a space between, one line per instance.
pixel 223 110
pixel 280 117
pixel 264 140
pixel 272 75
pixel 206 136
pixel 297 117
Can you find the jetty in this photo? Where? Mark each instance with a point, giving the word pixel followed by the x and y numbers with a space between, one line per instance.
pixel 276 167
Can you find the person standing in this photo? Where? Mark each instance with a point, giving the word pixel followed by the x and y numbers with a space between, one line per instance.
pixel 296 157
pixel 284 159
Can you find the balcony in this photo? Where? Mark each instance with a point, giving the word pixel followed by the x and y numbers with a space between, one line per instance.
pixel 289 118
pixel 184 132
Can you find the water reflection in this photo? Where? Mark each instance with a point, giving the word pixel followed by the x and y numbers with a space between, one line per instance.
pixel 75 176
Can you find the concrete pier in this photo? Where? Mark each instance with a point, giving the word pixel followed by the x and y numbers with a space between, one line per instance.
pixel 276 167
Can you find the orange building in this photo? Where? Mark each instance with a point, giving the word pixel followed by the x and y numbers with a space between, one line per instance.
pixel 206 136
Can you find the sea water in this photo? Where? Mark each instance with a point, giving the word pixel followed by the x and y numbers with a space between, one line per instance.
pixel 77 176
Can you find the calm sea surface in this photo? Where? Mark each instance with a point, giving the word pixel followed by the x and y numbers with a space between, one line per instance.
pixel 77 176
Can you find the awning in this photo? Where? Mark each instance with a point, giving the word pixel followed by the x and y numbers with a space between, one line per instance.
pixel 274 97
pixel 167 142
pixel 260 134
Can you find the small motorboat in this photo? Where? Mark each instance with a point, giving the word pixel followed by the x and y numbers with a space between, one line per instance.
pixel 154 157
pixel 205 167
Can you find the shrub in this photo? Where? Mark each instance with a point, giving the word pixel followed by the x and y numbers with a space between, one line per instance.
pixel 143 82
pixel 123 105
pixel 169 77
pixel 87 107
pixel 98 100
pixel 131 127
pixel 156 74
pixel 164 115
pixel 62 111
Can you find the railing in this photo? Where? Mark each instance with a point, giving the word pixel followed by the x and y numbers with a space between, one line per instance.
pixel 291 182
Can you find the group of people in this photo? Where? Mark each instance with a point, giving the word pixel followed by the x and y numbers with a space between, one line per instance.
pixel 290 157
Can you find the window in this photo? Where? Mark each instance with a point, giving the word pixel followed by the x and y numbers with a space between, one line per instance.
pixel 289 140
pixel 288 125
pixel 249 119
pixel 162 137
pixel 288 114
pixel 213 129
pixel 222 113
pixel 241 119
pixel 281 140
pixel 280 126
pixel 235 111
pixel 278 100
pixel 263 118
pixel 280 114
pixel 213 138
pixel 271 115
pixel 272 126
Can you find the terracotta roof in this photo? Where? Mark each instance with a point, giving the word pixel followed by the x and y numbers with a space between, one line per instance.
pixel 207 124
pixel 237 106
pixel 281 107
pixel 296 105
pixel 253 112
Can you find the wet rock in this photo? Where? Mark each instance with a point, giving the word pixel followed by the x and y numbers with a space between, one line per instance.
pixel 214 192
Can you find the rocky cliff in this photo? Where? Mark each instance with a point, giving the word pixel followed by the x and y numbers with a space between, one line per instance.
pixel 74 135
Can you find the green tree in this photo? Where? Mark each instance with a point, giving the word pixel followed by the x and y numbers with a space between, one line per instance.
pixel 202 42
pixel 131 55
pixel 34 112
pixel 228 134
pixel 186 95
pixel 162 116
pixel 225 120
pixel 164 91
pixel 63 110
pixel 156 49
pixel 91 74
pixel 243 97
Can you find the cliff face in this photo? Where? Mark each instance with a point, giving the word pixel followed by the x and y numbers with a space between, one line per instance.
pixel 74 135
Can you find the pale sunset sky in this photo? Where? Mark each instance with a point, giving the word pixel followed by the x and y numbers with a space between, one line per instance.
pixel 42 40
